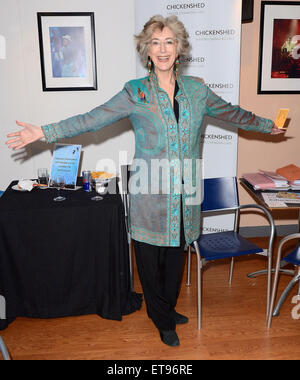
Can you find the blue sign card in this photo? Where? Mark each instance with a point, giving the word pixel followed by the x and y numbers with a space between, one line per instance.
pixel 65 164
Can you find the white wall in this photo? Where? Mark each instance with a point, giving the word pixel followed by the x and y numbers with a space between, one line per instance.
pixel 21 95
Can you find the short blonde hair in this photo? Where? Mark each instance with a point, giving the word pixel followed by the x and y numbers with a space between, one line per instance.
pixel 160 22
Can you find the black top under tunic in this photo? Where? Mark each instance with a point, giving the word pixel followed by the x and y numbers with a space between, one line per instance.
pixel 176 105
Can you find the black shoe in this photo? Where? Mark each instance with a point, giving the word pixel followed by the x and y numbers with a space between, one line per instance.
pixel 170 338
pixel 180 319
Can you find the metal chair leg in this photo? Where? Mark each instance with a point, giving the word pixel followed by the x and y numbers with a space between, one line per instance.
pixel 284 294
pixel 199 286
pixel 264 271
pixel 231 270
pixel 275 284
pixel 277 269
pixel 4 350
pixel 188 265
pixel 269 284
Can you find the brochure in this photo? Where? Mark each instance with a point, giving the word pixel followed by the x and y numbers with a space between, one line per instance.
pixel 281 117
pixel 65 162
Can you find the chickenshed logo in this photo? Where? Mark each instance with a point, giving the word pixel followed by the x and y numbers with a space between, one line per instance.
pixel 185 6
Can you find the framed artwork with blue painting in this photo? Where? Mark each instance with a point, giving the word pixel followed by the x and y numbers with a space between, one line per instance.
pixel 67 51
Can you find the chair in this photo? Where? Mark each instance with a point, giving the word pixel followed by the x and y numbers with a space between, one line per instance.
pixel 1 193
pixel 292 258
pixel 221 195
pixel 125 173
pixel 4 350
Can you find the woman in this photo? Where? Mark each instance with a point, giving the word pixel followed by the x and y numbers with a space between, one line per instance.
pixel 166 111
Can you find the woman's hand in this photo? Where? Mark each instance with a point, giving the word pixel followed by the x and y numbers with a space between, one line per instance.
pixel 27 135
pixel 277 131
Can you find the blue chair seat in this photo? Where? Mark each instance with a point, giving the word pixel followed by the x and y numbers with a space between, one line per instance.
pixel 225 244
pixel 293 257
pixel 1 193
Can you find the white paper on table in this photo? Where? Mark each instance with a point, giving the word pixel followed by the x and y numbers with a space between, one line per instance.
pixel 272 201
pixel 26 184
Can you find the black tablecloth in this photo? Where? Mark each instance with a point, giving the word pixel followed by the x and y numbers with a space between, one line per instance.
pixel 63 258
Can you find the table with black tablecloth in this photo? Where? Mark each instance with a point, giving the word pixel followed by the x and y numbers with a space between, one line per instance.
pixel 64 258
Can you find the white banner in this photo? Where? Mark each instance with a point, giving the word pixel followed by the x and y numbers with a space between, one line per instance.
pixel 214 27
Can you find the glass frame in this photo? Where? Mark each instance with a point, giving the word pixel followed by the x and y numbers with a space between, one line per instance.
pixel 274 74
pixel 76 30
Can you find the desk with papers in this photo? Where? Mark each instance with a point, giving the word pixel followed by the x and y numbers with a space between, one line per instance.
pixel 269 198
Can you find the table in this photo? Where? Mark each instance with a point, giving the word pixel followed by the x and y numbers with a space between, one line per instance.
pixel 257 196
pixel 65 258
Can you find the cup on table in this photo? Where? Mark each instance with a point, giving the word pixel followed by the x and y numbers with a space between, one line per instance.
pixel 43 177
pixel 59 183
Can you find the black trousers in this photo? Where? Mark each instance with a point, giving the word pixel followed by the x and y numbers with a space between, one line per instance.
pixel 160 272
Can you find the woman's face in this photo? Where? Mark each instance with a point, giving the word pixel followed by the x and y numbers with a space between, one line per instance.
pixel 163 50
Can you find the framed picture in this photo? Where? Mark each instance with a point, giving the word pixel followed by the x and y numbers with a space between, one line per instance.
pixel 279 61
pixel 67 50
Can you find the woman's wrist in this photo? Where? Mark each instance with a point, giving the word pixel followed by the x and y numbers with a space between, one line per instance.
pixel 43 137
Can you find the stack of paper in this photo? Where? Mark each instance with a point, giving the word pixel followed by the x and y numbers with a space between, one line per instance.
pixel 284 178
pixel 260 181
pixel 276 178
pixel 272 201
pixel 292 174
pixel 295 185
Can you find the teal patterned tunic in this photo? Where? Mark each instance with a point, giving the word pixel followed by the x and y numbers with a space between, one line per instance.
pixel 155 217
